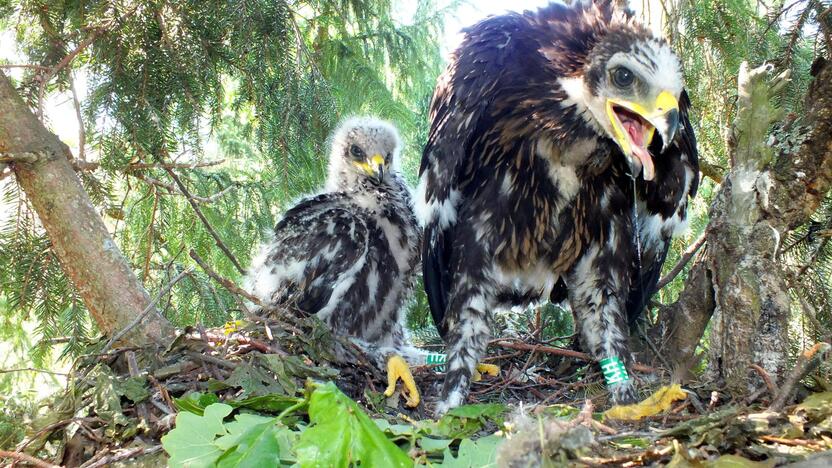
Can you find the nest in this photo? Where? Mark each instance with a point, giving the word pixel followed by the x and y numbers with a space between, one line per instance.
pixel 119 403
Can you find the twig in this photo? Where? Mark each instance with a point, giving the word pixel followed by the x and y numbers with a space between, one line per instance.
pixel 806 362
pixel 133 369
pixel 32 369
pixel 766 378
pixel 683 260
pixel 225 282
pixel 22 446
pixel 60 66
pixel 654 349
pixel 211 360
pixel 24 65
pixel 205 222
pixel 123 455
pixel 192 165
pixel 27 458
pixel 564 352
pixel 790 442
pixel 146 310
pixel 172 190
pixel 82 134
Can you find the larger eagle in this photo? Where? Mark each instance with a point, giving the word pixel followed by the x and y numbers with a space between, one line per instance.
pixel 560 153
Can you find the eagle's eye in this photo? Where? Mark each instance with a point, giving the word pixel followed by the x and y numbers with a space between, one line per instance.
pixel 622 77
pixel 356 152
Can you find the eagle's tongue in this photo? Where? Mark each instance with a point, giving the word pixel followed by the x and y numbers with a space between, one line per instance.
pixel 636 131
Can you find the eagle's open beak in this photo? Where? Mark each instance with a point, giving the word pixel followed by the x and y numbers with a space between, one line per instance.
pixel 634 125
pixel 376 164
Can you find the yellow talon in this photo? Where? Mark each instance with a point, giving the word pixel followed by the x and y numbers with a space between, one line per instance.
pixel 233 326
pixel 488 369
pixel 650 406
pixel 397 368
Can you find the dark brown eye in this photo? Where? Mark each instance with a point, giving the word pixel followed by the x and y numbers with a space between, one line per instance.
pixel 622 77
pixel 388 158
pixel 356 152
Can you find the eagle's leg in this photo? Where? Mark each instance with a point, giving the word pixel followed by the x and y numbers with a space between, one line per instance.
pixel 467 338
pixel 597 294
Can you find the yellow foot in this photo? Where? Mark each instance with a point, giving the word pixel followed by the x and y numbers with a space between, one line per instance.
pixel 234 326
pixel 650 406
pixel 397 368
pixel 488 369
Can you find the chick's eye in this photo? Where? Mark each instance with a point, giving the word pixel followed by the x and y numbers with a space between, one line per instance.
pixel 356 152
pixel 622 77
pixel 388 157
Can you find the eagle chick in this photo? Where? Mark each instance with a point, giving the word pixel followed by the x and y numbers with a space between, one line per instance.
pixel 349 254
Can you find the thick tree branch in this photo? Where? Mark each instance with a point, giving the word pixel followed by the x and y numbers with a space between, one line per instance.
pixel 87 253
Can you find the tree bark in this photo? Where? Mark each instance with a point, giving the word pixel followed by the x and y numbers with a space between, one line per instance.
pixel 84 247
pixel 736 283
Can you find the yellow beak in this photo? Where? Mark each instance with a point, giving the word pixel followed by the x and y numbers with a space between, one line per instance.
pixel 662 115
pixel 373 167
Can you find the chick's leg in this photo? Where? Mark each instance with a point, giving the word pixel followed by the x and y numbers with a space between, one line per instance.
pixel 492 370
pixel 397 369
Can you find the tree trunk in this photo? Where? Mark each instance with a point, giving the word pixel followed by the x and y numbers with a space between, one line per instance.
pixel 87 253
pixel 737 281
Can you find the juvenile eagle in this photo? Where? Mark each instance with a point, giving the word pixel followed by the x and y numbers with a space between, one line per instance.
pixel 560 154
pixel 349 254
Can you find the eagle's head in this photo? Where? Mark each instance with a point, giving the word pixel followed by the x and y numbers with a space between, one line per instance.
pixel 631 83
pixel 362 148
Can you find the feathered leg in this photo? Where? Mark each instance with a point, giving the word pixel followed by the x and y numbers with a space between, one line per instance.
pixel 468 333
pixel 598 285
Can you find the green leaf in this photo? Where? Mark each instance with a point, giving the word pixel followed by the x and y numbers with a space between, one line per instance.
pixel 191 443
pixel 434 445
pixel 195 402
pixel 239 426
pixel 272 403
pixel 133 388
pixel 254 381
pixel 481 411
pixel 341 435
pixel 256 447
pixel 474 454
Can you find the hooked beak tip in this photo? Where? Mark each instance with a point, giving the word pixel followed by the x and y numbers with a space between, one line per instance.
pixel 671 127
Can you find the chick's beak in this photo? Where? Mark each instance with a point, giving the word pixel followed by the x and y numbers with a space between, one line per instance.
pixel 634 125
pixel 377 165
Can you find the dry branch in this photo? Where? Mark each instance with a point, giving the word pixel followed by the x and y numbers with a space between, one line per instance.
pixel 563 352
pixel 205 222
pixel 27 458
pixel 680 265
pixel 225 282
pixel 808 361
pixel 150 307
